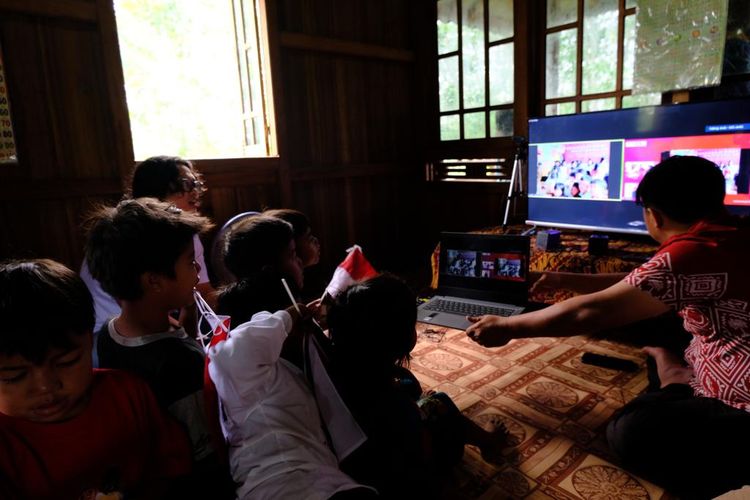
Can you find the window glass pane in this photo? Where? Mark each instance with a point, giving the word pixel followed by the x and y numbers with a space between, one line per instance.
pixel 447 26
pixel 631 3
pixel 599 45
pixel 180 65
pixel 448 83
pixel 450 128
pixel 562 108
pixel 501 74
pixel 561 64
pixel 628 53
pixel 635 101
pixel 472 50
pixel 474 125
pixel 501 123
pixel 598 104
pixel 561 12
pixel 501 19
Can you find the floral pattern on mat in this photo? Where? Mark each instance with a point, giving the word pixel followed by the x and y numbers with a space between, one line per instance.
pixel 555 408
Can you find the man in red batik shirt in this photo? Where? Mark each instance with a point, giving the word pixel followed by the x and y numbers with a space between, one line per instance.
pixel 685 435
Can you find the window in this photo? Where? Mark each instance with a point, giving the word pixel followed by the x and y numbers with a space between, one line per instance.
pixel 195 77
pixel 475 41
pixel 589 56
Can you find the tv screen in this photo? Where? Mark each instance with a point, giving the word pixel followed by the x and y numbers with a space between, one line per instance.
pixel 584 169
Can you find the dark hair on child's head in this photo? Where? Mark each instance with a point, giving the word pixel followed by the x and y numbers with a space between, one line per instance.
pixel 373 321
pixel 256 244
pixel 299 221
pixel 42 305
pixel 158 177
pixel 685 188
pixel 135 237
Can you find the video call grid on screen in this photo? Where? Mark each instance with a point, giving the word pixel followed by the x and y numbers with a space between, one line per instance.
pixel 584 169
pixel 505 266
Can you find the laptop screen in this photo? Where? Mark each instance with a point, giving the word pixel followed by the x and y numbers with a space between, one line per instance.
pixel 484 266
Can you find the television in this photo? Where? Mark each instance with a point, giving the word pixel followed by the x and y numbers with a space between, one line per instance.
pixel 583 169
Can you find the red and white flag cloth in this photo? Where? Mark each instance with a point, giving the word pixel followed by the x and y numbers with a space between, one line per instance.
pixel 353 269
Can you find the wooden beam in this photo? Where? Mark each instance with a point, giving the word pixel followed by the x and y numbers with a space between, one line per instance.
pixel 64 9
pixel 235 165
pixel 115 84
pixel 58 189
pixel 301 174
pixel 344 47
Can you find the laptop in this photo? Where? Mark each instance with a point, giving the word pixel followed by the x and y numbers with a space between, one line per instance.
pixel 479 274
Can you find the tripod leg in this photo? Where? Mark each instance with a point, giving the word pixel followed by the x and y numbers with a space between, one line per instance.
pixel 511 190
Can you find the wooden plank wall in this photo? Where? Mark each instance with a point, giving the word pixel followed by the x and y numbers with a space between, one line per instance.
pixel 71 132
pixel 349 139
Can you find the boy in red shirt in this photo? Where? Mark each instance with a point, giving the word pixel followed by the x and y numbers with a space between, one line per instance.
pixel 68 431
pixel 684 436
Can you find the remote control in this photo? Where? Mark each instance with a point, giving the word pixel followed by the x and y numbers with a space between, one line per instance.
pixel 625 365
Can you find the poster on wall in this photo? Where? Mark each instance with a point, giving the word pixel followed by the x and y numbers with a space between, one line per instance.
pixel 679 44
pixel 7 141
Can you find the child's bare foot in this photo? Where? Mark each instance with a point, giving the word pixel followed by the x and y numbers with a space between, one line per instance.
pixel 490 437
pixel 496 440
pixel 669 367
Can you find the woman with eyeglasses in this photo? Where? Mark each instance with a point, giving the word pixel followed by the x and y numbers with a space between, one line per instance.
pixel 173 180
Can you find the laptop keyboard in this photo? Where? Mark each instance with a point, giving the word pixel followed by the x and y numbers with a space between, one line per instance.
pixel 467 309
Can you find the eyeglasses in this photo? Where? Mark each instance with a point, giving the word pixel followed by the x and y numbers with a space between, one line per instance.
pixel 192 185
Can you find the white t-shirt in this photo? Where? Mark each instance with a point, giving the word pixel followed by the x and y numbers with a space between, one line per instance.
pixel 106 307
pixel 277 446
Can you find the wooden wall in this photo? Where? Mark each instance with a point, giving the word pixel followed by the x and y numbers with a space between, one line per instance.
pixel 72 134
pixel 348 88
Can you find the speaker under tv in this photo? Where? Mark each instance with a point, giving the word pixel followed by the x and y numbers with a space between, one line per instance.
pixel 584 168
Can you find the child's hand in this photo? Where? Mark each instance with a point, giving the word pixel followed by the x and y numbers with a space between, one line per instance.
pixel 314 307
pixel 319 311
pixel 298 316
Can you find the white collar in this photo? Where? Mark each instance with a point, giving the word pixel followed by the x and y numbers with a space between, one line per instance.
pixel 178 333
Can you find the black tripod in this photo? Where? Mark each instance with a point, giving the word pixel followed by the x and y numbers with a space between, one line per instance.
pixel 515 189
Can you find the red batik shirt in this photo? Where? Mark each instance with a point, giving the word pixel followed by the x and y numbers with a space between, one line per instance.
pixel 705 275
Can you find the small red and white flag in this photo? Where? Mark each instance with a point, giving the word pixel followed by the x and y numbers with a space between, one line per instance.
pixel 353 269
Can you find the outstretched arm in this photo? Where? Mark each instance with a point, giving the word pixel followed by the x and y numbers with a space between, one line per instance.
pixel 549 281
pixel 618 305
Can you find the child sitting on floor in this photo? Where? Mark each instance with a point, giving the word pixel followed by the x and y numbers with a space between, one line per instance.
pixel 260 251
pixel 410 440
pixel 307 244
pixel 68 431
pixel 308 250
pixel 142 253
pixel 278 447
pixel 173 180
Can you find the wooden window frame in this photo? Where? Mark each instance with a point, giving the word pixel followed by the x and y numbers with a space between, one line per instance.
pixel 252 56
pixel 579 97
pixel 487 108
pixel 524 53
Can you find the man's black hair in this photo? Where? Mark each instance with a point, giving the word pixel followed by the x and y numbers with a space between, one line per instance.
pixel 685 188
pixel 43 304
